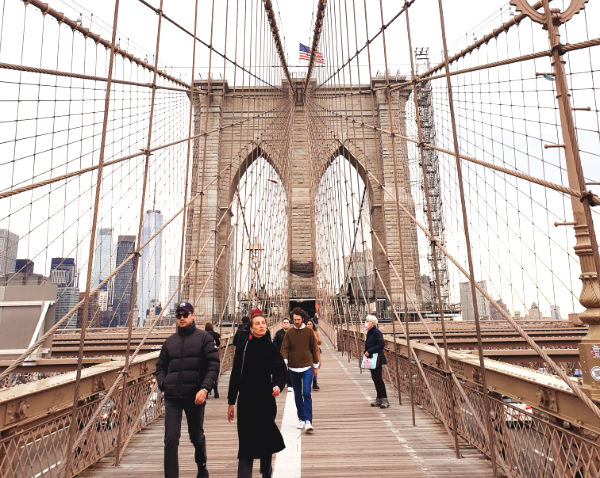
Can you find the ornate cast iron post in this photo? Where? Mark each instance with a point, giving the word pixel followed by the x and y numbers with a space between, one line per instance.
pixel 586 246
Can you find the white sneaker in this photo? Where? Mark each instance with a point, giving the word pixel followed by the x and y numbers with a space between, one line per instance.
pixel 300 424
pixel 290 389
pixel 308 428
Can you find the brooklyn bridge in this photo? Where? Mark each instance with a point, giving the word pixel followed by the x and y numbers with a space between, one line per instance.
pixel 432 163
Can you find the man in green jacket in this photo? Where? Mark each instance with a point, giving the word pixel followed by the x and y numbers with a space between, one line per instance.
pixel 300 352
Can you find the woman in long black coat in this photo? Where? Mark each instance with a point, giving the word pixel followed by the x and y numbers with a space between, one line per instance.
pixel 257 377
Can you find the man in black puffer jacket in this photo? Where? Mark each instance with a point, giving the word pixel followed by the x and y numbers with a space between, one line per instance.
pixel 187 368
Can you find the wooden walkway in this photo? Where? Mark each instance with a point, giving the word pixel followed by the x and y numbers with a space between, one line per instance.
pixel 351 439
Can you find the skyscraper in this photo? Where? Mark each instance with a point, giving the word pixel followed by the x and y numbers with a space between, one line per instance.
pixel 103 258
pixel 123 284
pixel 466 302
pixel 63 273
pixel 9 243
pixel 24 266
pixel 149 267
pixel 173 283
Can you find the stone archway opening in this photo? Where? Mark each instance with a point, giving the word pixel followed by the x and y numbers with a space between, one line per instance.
pixel 258 242
pixel 343 241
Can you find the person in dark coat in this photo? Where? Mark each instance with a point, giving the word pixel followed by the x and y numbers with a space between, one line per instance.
pixel 242 332
pixel 374 344
pixel 187 368
pixel 208 327
pixel 257 377
pixel 278 340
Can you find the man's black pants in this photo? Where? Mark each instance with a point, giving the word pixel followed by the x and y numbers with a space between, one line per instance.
pixel 195 420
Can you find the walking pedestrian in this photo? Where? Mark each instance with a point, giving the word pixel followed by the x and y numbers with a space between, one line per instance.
pixel 313 326
pixel 186 370
pixel 277 341
pixel 374 344
pixel 257 377
pixel 300 352
pixel 209 327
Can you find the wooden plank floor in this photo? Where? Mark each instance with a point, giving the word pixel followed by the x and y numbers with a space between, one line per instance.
pixel 351 439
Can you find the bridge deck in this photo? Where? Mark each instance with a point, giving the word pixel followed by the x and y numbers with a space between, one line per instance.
pixel 350 437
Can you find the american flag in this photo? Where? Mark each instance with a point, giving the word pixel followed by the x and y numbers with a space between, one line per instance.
pixel 305 54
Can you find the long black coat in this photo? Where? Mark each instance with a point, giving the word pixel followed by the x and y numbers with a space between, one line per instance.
pixel 374 344
pixel 257 368
pixel 188 362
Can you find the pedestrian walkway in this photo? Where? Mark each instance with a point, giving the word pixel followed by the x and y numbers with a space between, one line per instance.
pixel 351 439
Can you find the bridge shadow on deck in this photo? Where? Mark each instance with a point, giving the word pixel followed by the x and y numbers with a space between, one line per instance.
pixel 351 439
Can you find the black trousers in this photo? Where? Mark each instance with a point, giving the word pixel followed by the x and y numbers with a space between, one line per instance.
pixel 195 420
pixel 377 376
pixel 245 467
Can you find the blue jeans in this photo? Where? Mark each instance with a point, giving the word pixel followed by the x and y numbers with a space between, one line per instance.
pixel 301 382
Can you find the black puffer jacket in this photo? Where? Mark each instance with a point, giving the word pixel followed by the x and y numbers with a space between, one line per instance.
pixel 188 362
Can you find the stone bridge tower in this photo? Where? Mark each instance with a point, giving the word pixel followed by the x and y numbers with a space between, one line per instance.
pixel 221 157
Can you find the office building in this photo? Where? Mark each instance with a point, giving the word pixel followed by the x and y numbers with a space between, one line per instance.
pixel 173 283
pixel 9 243
pixel 103 259
pixel 123 283
pixel 63 274
pixel 148 277
pixel 466 302
pixel 24 266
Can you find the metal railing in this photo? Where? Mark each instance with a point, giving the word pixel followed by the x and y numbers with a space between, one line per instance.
pixel 536 431
pixel 35 418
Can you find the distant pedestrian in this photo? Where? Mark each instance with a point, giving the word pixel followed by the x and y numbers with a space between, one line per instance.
pixel 310 323
pixel 257 377
pixel 242 331
pixel 209 327
pixel 301 353
pixel 278 340
pixel 374 344
pixel 187 368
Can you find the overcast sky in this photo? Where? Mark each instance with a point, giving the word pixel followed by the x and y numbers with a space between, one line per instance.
pixel 465 21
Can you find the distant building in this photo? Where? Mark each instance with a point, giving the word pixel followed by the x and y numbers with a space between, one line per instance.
pixel 495 314
pixel 104 259
pixel 63 274
pixel 66 299
pixel 148 289
pixel 534 312
pixel 9 243
pixel 123 283
pixel 21 278
pixel 94 317
pixel 24 266
pixel 555 312
pixel 358 269
pixel 173 283
pixel 466 302
pixel 103 300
